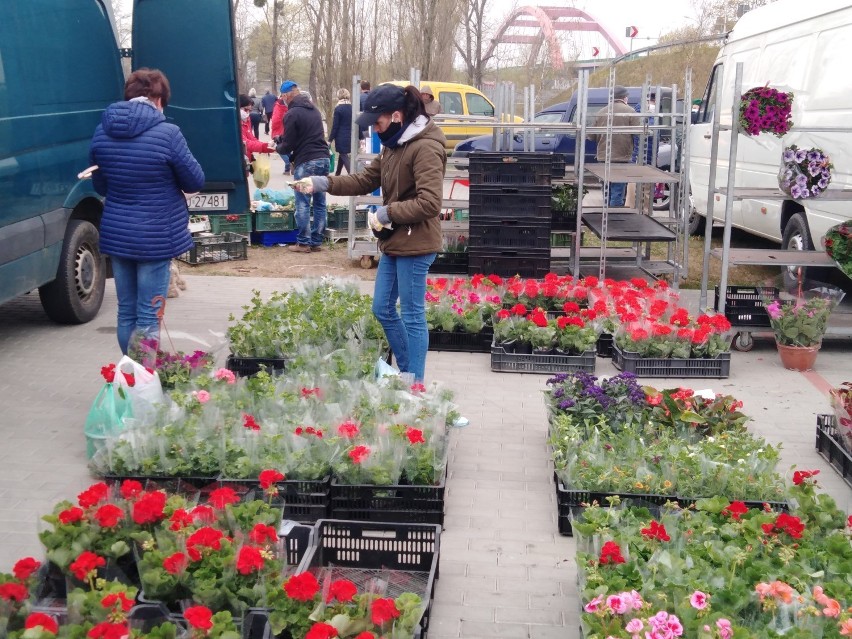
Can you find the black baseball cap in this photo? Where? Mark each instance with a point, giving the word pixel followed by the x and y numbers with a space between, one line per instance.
pixel 385 98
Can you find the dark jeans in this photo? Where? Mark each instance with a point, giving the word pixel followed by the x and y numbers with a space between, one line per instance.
pixel 268 120
pixel 342 163
pixel 256 119
pixel 311 234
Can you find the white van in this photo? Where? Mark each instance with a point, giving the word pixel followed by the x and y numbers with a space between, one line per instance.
pixel 805 48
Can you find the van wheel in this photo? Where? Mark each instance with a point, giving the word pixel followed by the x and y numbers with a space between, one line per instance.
pixel 695 223
pixel 797 237
pixel 75 296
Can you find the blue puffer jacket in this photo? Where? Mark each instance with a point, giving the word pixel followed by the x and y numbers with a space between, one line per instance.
pixel 144 165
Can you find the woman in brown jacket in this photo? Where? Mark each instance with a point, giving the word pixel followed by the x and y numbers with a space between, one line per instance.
pixel 410 170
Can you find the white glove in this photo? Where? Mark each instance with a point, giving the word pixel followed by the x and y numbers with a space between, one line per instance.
pixel 305 185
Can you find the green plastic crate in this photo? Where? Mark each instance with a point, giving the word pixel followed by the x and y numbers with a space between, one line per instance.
pixel 220 224
pixel 338 218
pixel 275 221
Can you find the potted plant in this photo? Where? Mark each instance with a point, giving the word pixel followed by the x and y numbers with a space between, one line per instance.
pixel 800 323
pixel 838 245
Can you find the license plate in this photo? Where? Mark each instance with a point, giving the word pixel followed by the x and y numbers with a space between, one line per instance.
pixel 207 202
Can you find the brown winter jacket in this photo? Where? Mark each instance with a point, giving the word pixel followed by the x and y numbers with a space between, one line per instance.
pixel 622 143
pixel 412 181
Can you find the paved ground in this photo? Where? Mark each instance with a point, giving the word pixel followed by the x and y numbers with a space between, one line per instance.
pixel 505 572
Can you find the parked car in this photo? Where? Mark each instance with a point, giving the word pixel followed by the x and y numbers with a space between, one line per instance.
pixel 566 142
pixel 49 219
pixel 804 48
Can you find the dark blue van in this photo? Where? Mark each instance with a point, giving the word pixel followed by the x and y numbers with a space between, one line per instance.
pixel 60 66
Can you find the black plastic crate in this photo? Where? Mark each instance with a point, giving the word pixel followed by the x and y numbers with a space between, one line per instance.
pixel 508 168
pixel 504 362
pixel 248 366
pixel 404 556
pixel 305 500
pixel 450 263
pixel 604 345
pixel 399 503
pixel 830 446
pixel 510 202
pixel 717 367
pixel 338 218
pixel 501 234
pixel 458 342
pixel 216 248
pixel 744 305
pixel 563 220
pixel 533 263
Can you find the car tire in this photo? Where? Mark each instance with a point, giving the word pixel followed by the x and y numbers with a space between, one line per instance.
pixel 75 296
pixel 797 237
pixel 695 223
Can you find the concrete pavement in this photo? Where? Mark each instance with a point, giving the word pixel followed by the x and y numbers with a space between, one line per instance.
pixel 505 572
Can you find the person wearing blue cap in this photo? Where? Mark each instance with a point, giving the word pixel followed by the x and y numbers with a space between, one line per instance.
pixel 304 141
pixel 277 123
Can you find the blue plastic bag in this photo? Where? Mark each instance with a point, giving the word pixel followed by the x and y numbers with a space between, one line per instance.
pixel 281 197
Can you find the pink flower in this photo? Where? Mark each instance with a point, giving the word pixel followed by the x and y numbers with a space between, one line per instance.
pixel 699 600
pixel 634 598
pixel 202 396
pixel 594 605
pixel 617 604
pixel 634 626
pixel 223 374
pixel 725 630
pixel 774 310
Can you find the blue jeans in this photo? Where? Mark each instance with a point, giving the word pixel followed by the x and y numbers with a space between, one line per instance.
pixel 310 234
pixel 286 159
pixel 617 193
pixel 136 284
pixel 404 279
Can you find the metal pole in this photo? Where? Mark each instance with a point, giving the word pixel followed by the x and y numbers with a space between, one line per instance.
pixel 526 118
pixel 532 116
pixel 580 163
pixel 607 170
pixel 355 142
pixel 683 202
pixel 711 189
pixel 729 195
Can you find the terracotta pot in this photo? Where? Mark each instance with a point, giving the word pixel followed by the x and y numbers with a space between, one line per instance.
pixel 798 358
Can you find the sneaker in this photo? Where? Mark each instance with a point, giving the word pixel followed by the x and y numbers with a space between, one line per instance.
pixel 316 249
pixel 299 248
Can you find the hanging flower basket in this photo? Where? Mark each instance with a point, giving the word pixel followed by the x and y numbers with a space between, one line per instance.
pixel 837 243
pixel 766 110
pixel 805 173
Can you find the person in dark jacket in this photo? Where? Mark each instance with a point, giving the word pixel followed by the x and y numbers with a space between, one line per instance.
pixel 341 130
pixel 410 170
pixel 304 141
pixel 268 103
pixel 144 169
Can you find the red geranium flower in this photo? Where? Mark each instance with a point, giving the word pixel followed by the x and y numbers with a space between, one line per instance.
pixel 203 537
pixel 269 477
pixel 25 567
pixel 249 560
pixel 221 497
pixel 261 533
pixel 148 509
pixel 503 314
pixel 109 516
pixel 735 510
pixel 359 454
pixel 342 590
pixel 539 318
pixel 130 378
pixel 175 563
pixel 71 515
pixel 109 630
pixel 800 476
pixel 519 309
pixel 39 619
pixel 302 587
pixel 415 435
pixel 199 617
pixel 13 591
pixel 418 388
pixel 93 495
pixel 250 423
pixel 117 598
pixel 365 635
pixel 130 488
pixel 611 554
pixel 656 530
pixel 108 373
pixel 204 514
pixel 86 563
pixel 321 631
pixel 348 430
pixel 789 524
pixel 383 610
pixel 180 519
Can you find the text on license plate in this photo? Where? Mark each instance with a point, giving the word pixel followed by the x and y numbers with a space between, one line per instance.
pixel 207 202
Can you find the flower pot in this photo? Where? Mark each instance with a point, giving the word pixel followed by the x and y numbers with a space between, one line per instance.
pixel 798 358
pixel 523 348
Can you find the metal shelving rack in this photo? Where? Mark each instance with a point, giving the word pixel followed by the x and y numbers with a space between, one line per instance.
pixel 732 193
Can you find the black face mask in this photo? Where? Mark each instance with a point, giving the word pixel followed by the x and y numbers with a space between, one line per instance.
pixel 392 130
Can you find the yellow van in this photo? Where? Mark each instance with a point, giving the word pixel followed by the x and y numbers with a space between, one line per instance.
pixel 462 100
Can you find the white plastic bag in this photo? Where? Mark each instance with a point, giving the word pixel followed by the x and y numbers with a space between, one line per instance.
pixel 146 391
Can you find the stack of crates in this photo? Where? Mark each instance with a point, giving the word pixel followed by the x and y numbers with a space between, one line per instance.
pixel 510 217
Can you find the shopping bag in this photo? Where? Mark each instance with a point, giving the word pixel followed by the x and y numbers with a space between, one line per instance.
pixel 260 170
pixel 106 417
pixel 142 386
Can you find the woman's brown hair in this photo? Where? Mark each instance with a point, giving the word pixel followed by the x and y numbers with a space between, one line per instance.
pixel 151 83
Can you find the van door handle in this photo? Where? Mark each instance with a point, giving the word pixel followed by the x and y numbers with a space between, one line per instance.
pixel 707 136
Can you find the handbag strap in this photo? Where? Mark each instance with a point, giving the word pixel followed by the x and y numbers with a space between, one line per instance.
pixel 159 302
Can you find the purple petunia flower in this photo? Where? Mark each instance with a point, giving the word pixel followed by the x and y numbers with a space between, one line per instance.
pixel 797 193
pixel 789 155
pixel 801 155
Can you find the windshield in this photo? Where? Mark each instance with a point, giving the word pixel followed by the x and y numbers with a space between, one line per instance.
pixel 548 117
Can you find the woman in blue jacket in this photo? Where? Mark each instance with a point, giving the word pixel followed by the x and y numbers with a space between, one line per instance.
pixel 144 168
pixel 341 130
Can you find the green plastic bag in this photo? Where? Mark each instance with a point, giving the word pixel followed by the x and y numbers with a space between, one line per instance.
pixel 106 417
